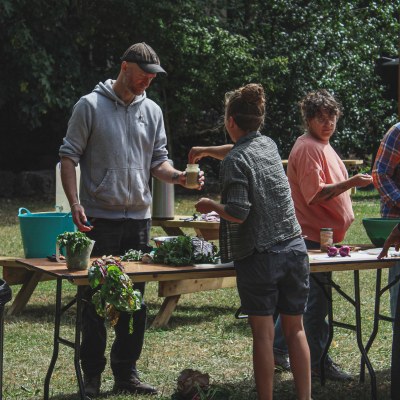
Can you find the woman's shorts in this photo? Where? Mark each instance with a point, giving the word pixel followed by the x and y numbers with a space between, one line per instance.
pixel 277 279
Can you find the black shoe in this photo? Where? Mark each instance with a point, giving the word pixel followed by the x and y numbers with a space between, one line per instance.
pixel 92 385
pixel 332 372
pixel 282 362
pixel 133 385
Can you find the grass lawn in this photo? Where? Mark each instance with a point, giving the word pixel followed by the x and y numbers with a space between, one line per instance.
pixel 202 334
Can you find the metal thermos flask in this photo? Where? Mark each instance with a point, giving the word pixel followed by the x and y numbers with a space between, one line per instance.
pixel 163 198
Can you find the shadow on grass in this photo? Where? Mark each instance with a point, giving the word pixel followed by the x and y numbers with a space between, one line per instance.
pixel 184 316
pixel 40 313
pixel 354 390
pixel 283 390
pixel 192 315
pixel 244 389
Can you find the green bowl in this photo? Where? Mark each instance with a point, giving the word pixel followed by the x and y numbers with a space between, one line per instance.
pixel 378 229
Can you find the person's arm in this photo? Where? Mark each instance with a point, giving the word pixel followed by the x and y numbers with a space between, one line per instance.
pixel 335 189
pixel 69 182
pixel 167 173
pixel 386 161
pixel 392 240
pixel 218 152
pixel 235 186
pixel 205 205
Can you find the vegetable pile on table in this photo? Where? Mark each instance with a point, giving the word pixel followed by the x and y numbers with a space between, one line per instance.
pixel 186 250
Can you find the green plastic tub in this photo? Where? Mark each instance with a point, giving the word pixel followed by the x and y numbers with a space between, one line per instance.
pixel 39 231
pixel 378 229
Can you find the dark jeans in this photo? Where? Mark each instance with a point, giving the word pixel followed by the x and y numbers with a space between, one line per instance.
pixel 114 237
pixel 314 319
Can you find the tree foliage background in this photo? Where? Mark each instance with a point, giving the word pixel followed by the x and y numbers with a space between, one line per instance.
pixel 53 52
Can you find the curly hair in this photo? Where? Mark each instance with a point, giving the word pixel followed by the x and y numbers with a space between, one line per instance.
pixel 247 106
pixel 321 101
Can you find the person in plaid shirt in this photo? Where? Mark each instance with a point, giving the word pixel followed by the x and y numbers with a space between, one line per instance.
pixel 386 176
pixel 259 231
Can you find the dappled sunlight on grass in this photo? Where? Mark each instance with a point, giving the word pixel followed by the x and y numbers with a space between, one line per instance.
pixel 202 333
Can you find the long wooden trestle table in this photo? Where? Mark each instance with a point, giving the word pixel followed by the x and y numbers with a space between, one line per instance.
pixel 15 273
pixel 172 276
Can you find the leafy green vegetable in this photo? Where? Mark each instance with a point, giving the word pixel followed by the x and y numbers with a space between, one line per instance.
pixel 76 241
pixel 132 255
pixel 115 290
pixel 186 250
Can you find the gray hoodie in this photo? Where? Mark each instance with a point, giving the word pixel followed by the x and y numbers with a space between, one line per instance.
pixel 116 146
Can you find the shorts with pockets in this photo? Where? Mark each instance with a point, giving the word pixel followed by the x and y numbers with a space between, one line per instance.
pixel 274 280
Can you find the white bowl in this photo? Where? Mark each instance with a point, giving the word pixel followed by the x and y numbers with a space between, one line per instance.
pixel 161 239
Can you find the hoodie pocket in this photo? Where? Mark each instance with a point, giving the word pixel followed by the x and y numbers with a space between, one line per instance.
pixel 124 187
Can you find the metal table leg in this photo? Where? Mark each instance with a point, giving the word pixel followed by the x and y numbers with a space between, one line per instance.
pixel 77 344
pixel 377 314
pixel 359 335
pixel 375 328
pixel 327 289
pixel 59 340
pixel 55 340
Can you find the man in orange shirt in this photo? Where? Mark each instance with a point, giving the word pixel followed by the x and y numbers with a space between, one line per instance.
pixel 320 189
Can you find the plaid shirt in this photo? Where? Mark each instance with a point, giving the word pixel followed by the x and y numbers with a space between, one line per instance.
pixel 386 173
pixel 255 189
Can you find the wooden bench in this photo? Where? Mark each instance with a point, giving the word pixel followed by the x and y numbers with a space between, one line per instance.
pixel 173 227
pixel 16 274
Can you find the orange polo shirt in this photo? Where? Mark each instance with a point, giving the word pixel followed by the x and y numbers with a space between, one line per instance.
pixel 311 165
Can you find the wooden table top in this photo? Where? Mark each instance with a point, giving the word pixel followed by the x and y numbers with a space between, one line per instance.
pixel 144 272
pixel 141 272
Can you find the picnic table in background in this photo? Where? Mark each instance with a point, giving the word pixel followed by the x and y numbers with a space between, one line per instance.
pixel 208 230
pixel 348 163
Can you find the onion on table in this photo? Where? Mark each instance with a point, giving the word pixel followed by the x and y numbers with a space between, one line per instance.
pixel 344 251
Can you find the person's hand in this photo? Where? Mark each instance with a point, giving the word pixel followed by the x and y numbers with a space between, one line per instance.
pixel 361 180
pixel 79 218
pixel 200 180
pixel 196 154
pixel 392 240
pixel 205 205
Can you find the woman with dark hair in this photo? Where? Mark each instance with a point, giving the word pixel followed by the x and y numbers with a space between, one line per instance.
pixel 260 233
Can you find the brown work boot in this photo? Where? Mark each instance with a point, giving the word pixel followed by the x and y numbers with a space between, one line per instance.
pixel 133 385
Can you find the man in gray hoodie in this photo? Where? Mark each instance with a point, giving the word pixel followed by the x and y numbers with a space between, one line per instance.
pixel 117 136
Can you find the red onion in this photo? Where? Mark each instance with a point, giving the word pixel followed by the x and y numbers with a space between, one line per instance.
pixel 344 251
pixel 332 251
